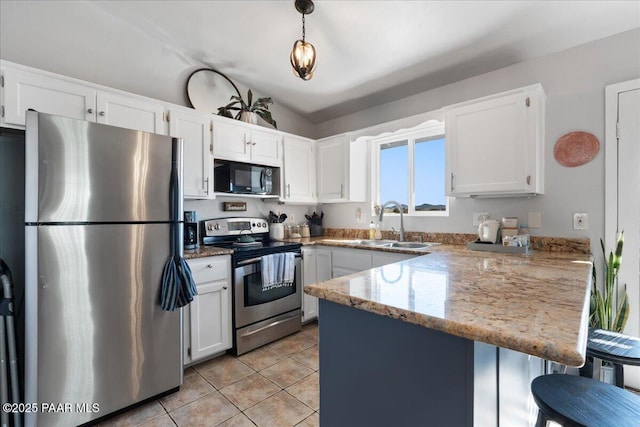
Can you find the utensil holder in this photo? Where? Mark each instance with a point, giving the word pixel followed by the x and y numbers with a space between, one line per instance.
pixel 315 230
pixel 276 231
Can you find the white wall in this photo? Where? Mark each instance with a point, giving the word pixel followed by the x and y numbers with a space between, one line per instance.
pixel 574 82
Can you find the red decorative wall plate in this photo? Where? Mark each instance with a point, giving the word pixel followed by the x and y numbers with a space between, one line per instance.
pixel 576 149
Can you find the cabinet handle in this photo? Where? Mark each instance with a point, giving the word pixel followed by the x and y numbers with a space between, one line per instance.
pixel 528 179
pixel 209 266
pixel 253 143
pixel 206 191
pixel 288 190
pixel 90 111
pixel 341 190
pixel 451 181
pixel 225 288
pixel 101 113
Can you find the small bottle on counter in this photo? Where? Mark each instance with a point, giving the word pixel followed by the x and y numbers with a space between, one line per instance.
pixel 304 230
pixel 378 234
pixel 372 231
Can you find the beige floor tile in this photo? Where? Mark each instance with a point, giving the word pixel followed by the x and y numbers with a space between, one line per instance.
pixel 310 335
pixel 307 391
pixel 308 357
pixel 239 420
pixel 291 344
pixel 312 420
pixel 136 416
pixel 193 388
pixel 286 372
pixel 249 391
pixel 162 421
pixel 209 410
pixel 262 357
pixel 279 410
pixel 223 370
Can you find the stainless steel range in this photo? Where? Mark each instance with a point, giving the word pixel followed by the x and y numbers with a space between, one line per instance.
pixel 261 314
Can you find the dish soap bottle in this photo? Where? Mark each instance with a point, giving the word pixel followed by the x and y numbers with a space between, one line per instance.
pixel 378 234
pixel 372 231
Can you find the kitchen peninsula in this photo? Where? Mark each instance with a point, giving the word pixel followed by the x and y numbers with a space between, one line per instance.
pixel 429 341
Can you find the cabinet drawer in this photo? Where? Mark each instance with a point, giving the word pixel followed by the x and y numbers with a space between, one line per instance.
pixel 210 269
pixel 352 259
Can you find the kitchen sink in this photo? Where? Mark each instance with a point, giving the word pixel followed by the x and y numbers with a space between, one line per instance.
pixel 412 245
pixel 385 243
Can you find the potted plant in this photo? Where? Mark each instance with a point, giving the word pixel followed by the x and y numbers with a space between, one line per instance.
pixel 247 111
pixel 604 313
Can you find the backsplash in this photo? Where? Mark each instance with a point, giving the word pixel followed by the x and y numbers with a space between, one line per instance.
pixel 551 244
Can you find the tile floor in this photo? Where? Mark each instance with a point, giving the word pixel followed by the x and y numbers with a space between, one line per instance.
pixel 275 385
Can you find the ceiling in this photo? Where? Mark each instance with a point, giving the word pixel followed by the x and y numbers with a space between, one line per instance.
pixel 369 52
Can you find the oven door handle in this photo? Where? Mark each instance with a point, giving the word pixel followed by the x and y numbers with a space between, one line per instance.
pixel 254 260
pixel 270 325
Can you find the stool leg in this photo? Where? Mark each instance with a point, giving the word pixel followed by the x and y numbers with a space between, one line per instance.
pixel 541 421
pixel 619 375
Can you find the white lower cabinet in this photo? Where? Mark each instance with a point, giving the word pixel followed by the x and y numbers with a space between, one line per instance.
pixel 502 379
pixel 309 274
pixel 209 314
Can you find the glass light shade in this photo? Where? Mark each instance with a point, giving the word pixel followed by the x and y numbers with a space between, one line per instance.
pixel 303 59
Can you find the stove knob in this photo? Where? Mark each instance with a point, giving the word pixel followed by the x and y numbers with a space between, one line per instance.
pixel 216 226
pixel 209 227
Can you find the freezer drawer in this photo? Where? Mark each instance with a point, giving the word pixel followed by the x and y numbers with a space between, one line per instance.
pixel 94 308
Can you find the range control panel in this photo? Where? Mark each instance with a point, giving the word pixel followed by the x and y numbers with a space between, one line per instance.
pixel 234 226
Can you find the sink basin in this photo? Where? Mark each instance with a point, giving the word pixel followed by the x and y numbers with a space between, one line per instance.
pixel 411 245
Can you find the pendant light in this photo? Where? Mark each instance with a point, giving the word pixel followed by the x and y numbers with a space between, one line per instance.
pixel 303 55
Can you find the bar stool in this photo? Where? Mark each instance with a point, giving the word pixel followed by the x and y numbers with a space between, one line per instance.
pixel 613 347
pixel 575 401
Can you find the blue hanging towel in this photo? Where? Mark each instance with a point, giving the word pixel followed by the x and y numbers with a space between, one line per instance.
pixel 177 287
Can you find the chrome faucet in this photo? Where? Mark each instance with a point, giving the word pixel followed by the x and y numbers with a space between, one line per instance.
pixel 393 202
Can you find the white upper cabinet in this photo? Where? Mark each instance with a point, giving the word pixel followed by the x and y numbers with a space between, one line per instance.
pixel 131 113
pixel 495 145
pixel 195 130
pixel 26 88
pixel 299 170
pixel 342 169
pixel 240 142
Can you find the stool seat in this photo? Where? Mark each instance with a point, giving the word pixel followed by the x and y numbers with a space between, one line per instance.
pixel 613 347
pixel 578 401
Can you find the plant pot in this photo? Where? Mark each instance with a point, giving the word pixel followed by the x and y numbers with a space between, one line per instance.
pixel 249 117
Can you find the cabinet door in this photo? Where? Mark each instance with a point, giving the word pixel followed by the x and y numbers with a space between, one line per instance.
pixel 195 130
pixel 516 371
pixel 209 320
pixel 333 158
pixel 231 141
pixel 131 113
pixel 266 148
pixel 488 146
pixel 323 264
pixel 211 308
pixel 309 302
pixel 24 90
pixel 299 170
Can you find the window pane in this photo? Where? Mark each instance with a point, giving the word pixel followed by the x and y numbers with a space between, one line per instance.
pixel 394 174
pixel 429 174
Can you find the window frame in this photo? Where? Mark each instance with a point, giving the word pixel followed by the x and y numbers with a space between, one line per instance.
pixel 429 130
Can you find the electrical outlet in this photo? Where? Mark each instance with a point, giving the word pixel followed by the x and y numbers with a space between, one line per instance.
pixel 580 221
pixel 534 219
pixel 478 217
pixel 292 217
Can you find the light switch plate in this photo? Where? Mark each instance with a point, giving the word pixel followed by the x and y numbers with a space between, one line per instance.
pixel 534 220
pixel 580 221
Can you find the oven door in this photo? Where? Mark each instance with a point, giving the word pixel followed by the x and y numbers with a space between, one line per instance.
pixel 253 304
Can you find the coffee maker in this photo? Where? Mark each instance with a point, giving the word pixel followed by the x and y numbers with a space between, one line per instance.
pixel 190 230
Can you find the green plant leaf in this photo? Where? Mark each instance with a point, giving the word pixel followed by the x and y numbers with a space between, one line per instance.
pixel 622 315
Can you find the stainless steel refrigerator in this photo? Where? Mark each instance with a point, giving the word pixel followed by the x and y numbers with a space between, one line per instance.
pixel 98 233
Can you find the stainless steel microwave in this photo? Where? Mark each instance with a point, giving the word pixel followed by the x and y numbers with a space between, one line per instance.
pixel 244 178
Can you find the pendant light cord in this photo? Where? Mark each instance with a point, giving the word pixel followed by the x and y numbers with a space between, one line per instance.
pixel 303 27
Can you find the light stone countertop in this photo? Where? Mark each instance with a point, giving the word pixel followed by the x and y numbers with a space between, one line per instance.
pixel 205 251
pixel 536 303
